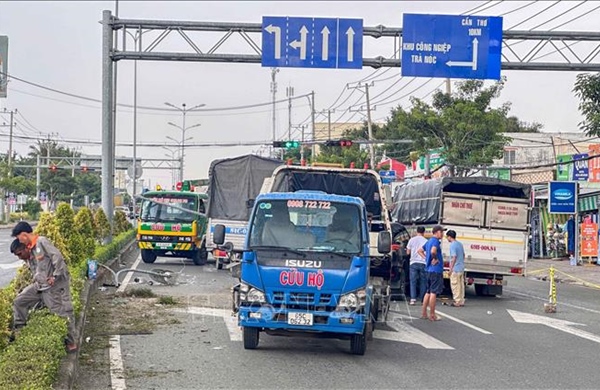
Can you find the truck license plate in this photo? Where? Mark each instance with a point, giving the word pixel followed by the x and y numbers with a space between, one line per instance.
pixel 303 319
pixel 163 244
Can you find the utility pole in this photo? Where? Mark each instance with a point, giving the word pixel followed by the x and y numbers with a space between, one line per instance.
pixel 274 72
pixel 312 119
pixel 369 122
pixel 38 175
pixel 10 139
pixel 302 146
pixel 448 87
pixel 289 93
pixel 328 112
pixel 370 127
pixel 72 176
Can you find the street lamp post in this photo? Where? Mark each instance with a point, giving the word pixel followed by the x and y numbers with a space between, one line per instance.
pixel 183 129
pixel 136 38
pixel 172 158
pixel 181 148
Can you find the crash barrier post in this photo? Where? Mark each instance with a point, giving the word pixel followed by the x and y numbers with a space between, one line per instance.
pixel 550 307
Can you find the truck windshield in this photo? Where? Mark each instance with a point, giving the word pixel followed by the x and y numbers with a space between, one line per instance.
pixel 157 208
pixel 307 225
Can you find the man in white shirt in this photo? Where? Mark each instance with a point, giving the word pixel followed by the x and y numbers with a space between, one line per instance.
pixel 418 276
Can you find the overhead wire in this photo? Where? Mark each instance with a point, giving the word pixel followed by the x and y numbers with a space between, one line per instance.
pixel 535 15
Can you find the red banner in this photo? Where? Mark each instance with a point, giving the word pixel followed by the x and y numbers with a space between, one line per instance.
pixel 589 239
pixel 594 163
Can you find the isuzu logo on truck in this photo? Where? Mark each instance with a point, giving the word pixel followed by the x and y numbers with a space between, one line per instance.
pixel 303 263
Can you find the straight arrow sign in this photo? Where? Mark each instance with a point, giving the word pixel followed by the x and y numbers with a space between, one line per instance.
pixel 562 325
pixel 325 43
pixel 350 34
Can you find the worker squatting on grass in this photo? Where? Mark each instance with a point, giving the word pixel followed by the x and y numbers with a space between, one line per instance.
pixel 50 280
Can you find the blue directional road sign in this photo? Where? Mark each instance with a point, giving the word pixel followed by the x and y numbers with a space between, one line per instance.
pixel 312 42
pixel 451 46
pixel 387 176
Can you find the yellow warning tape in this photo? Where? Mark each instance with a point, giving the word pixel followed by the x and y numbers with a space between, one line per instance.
pixel 552 287
pixel 583 282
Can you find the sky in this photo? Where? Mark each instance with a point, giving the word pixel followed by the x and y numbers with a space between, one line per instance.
pixel 58 45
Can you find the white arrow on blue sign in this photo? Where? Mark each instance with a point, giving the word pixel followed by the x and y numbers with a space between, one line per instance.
pixel 452 46
pixel 312 42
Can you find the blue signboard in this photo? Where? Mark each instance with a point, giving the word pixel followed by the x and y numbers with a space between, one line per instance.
pixel 387 176
pixel 312 42
pixel 451 46
pixel 580 167
pixel 562 197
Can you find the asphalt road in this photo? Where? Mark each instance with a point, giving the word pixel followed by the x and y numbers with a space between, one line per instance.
pixel 505 342
pixel 8 262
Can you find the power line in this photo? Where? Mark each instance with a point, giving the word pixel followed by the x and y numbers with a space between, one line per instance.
pixel 153 108
pixel 559 15
pixel 535 15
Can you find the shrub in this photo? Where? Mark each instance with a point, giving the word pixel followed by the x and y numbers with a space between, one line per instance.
pixel 107 252
pixel 101 225
pixel 84 224
pixel 33 360
pixel 33 208
pixel 120 223
pixel 18 216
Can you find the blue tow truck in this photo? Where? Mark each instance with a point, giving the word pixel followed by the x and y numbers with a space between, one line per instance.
pixel 305 269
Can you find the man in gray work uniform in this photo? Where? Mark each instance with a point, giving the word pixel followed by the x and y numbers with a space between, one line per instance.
pixel 51 279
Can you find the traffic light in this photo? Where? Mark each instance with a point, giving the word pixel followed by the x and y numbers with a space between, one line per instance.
pixel 344 143
pixel 286 144
pixel 53 168
pixel 84 168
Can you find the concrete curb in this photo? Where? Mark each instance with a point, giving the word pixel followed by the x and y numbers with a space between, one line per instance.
pixel 70 365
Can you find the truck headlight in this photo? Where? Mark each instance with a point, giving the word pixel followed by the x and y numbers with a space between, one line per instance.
pixel 251 294
pixel 255 296
pixel 353 300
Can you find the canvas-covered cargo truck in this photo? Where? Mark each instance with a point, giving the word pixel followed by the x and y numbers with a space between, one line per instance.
pixel 233 184
pixel 490 217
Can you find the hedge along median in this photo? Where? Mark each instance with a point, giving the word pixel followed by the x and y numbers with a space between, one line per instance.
pixel 33 360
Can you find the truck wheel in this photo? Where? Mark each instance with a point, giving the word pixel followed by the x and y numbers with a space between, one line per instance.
pixel 358 343
pixel 200 256
pixel 148 256
pixel 250 337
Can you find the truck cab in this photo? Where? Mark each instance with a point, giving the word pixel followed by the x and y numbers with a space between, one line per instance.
pixel 305 268
pixel 173 224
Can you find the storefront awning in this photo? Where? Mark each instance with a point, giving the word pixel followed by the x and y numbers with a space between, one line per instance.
pixel 588 202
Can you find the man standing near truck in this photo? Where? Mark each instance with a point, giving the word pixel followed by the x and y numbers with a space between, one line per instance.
pixel 434 264
pixel 457 269
pixel 418 275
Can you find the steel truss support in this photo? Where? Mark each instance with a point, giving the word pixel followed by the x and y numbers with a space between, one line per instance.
pixel 521 50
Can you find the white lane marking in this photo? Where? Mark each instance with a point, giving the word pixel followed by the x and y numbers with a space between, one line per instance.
pixel 235 333
pixel 407 334
pixel 128 276
pixel 117 374
pixel 403 332
pixel 562 325
pixel 559 303
pixel 463 323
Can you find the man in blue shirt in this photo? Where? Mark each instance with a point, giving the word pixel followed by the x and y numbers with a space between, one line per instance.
pixel 434 265
pixel 457 269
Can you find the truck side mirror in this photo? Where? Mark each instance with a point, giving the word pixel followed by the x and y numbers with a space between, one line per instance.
pixel 219 234
pixel 250 203
pixel 384 242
